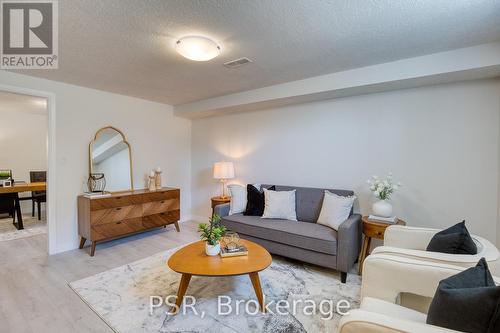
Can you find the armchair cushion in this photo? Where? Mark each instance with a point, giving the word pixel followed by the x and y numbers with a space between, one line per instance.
pixel 392 310
pixel 468 301
pixel 454 240
pixel 377 316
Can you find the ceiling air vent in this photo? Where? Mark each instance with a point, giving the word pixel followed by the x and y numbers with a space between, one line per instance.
pixel 237 63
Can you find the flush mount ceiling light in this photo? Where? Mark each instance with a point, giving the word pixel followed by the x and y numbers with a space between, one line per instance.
pixel 197 48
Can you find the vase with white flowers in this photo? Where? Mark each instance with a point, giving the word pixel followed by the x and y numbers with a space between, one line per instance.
pixel 383 189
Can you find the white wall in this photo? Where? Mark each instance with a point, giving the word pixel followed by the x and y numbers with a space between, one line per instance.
pixel 23 145
pixel 441 141
pixel 157 137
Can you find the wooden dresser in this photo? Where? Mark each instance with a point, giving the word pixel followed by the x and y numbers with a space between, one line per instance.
pixel 124 213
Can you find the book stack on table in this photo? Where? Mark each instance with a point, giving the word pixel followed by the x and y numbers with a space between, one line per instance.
pixel 239 250
pixel 388 220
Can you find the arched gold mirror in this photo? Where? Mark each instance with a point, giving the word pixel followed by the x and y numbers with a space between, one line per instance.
pixel 111 155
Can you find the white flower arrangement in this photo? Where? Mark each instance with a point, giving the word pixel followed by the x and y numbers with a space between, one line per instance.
pixel 383 189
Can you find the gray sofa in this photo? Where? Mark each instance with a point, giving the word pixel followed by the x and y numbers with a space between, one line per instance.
pixel 304 239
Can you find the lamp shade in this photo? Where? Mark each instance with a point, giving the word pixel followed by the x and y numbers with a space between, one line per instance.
pixel 223 170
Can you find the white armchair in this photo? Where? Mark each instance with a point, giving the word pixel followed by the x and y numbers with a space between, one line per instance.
pixel 385 278
pixel 411 242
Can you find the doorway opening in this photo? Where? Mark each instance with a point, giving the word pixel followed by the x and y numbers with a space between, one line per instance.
pixel 25 175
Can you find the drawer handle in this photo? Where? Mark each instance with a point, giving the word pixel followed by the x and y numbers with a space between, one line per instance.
pixel 119 208
pixel 118 198
pixel 163 201
pixel 119 222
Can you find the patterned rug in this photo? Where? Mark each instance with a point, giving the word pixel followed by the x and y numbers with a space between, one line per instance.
pixel 121 297
pixel 32 227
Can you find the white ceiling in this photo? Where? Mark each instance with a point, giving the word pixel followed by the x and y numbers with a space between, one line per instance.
pixel 126 46
pixel 10 102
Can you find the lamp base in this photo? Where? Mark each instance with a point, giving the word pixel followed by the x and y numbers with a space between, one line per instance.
pixel 223 184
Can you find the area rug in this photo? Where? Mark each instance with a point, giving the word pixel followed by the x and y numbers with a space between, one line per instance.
pixel 32 227
pixel 121 297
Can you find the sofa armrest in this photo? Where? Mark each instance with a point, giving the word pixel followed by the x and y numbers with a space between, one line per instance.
pixel 349 242
pixel 371 322
pixel 222 210
pixel 408 237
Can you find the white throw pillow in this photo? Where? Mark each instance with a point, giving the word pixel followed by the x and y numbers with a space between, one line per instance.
pixel 335 209
pixel 238 195
pixel 238 202
pixel 279 205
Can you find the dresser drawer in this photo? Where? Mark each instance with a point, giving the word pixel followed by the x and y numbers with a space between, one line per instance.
pixel 115 229
pixel 156 207
pixel 161 195
pixel 158 220
pixel 115 201
pixel 111 215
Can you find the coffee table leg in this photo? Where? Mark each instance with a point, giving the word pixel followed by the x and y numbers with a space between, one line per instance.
pixel 183 285
pixel 258 290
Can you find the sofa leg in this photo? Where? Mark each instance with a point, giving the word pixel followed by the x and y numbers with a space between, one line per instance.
pixel 343 277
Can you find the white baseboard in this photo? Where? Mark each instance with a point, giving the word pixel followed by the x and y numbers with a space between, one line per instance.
pixel 197 218
pixel 73 244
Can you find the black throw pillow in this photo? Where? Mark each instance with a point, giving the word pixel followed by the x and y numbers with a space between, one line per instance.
pixel 454 240
pixel 468 302
pixel 255 201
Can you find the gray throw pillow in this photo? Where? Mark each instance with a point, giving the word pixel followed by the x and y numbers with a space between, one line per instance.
pixel 455 240
pixel 468 302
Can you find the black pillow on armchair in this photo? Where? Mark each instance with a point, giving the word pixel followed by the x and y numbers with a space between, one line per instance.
pixel 255 201
pixel 454 240
pixel 468 302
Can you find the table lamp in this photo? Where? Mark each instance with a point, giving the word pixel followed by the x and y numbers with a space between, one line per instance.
pixel 223 171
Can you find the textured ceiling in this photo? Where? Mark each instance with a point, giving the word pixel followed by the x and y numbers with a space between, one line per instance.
pixel 126 46
pixel 22 103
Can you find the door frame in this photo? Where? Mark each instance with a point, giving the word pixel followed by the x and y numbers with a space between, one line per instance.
pixel 51 159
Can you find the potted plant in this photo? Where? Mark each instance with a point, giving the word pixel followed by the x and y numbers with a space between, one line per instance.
pixel 383 189
pixel 212 234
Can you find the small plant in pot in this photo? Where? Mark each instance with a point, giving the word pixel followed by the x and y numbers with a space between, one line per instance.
pixel 212 234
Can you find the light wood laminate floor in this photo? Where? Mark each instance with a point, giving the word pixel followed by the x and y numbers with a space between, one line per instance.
pixel 34 291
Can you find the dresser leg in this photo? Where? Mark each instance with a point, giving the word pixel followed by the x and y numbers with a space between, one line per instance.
pixel 177 226
pixel 92 249
pixel 82 242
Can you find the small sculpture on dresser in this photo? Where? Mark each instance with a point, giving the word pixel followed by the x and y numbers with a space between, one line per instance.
pixel 151 181
pixel 158 178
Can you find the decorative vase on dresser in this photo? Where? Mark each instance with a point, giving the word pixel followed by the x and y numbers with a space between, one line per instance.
pixel 124 213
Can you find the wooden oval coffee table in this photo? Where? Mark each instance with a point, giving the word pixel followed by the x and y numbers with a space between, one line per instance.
pixel 192 260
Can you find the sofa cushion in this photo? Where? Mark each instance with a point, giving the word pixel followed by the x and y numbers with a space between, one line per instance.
pixel 279 205
pixel 255 201
pixel 314 237
pixel 309 200
pixel 335 210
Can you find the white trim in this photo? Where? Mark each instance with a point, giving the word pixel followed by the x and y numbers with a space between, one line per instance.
pixel 51 159
pixel 196 218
